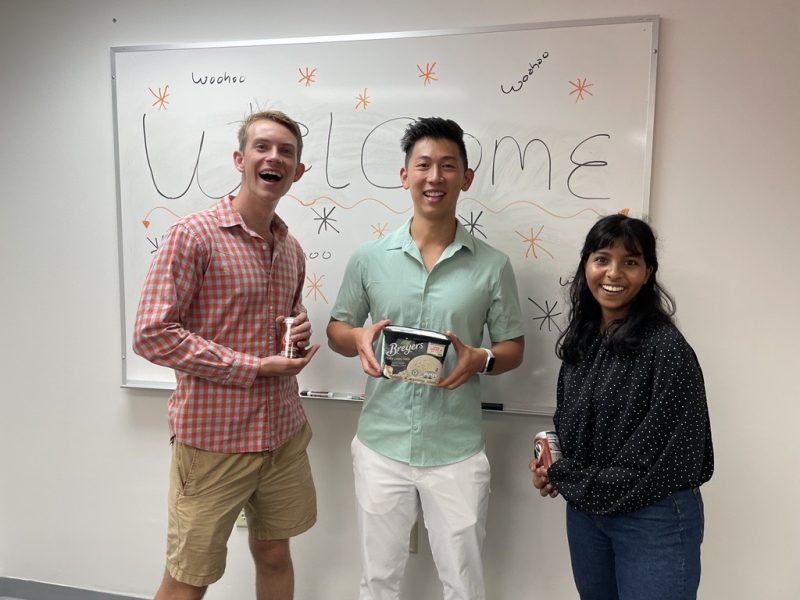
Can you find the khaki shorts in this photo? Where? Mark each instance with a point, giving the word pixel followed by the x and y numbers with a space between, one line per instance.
pixel 209 489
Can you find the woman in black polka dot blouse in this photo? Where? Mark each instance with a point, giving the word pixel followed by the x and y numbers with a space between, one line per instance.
pixel 633 423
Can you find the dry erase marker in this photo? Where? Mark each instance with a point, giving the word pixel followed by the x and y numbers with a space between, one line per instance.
pixel 315 394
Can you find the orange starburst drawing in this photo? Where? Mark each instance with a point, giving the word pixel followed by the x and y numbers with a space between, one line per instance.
pixel 427 73
pixel 379 230
pixel 532 242
pixel 315 285
pixel 580 88
pixel 307 76
pixel 363 100
pixel 161 97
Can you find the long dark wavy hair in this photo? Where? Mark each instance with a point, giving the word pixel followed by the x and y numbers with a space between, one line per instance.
pixel 652 303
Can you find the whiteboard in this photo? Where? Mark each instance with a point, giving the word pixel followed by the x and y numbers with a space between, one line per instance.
pixel 558 120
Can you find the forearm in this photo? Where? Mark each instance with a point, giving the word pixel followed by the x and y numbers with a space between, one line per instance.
pixel 342 338
pixel 170 345
pixel 508 355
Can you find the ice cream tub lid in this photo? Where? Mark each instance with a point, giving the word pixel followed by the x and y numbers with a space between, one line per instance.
pixel 414 355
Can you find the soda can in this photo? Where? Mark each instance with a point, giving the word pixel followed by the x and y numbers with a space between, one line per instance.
pixel 288 349
pixel 547 446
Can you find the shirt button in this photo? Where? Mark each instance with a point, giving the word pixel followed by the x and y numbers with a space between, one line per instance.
pixel 415 428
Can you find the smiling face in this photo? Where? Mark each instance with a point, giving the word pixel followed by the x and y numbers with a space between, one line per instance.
pixel 435 174
pixel 614 276
pixel 269 163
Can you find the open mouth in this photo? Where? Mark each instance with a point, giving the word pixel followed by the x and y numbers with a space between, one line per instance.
pixel 270 176
pixel 613 289
pixel 433 194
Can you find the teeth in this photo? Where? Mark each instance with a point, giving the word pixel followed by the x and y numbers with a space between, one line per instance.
pixel 612 288
pixel 434 194
pixel 270 176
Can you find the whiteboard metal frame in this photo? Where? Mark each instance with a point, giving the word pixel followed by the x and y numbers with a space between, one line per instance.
pixel 648 158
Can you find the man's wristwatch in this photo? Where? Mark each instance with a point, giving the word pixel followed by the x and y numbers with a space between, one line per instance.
pixel 489 361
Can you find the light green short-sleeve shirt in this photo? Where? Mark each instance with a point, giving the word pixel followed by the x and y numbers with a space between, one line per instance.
pixel 471 285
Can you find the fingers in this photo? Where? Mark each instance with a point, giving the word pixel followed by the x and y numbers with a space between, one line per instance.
pixel 378 327
pixel 367 356
pixel 310 354
pixel 364 345
pixel 455 378
pixel 301 333
pixel 294 365
pixel 540 479
pixel 469 361
pixel 301 329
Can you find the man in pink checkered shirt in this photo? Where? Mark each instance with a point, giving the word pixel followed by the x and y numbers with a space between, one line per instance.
pixel 213 300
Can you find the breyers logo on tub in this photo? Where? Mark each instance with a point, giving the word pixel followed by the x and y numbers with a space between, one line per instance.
pixel 414 355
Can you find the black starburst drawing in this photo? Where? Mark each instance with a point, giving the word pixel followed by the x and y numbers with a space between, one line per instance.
pixel 472 224
pixel 547 315
pixel 325 219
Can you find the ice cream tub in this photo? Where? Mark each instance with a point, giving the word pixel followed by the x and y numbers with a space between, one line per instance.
pixel 414 355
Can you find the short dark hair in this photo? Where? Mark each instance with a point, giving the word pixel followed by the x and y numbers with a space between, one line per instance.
pixel 435 128
pixel 652 303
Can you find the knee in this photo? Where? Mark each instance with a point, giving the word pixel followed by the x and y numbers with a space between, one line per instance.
pixel 271 555
pixel 172 589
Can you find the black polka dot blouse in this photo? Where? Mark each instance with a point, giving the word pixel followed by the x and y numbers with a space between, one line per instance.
pixel 634 427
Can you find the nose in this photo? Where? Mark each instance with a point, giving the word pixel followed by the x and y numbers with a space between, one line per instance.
pixel 612 269
pixel 435 174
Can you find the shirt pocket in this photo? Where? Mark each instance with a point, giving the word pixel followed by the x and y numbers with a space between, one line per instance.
pixel 235 274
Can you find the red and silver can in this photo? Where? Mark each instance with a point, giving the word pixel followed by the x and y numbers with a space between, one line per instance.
pixel 288 349
pixel 547 446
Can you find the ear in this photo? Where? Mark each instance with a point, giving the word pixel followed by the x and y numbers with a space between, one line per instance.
pixel 298 171
pixel 404 178
pixel 469 175
pixel 238 161
pixel 649 273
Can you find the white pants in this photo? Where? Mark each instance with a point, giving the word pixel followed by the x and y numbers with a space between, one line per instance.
pixel 454 499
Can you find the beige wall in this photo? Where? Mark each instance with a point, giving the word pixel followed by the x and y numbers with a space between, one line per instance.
pixel 83 468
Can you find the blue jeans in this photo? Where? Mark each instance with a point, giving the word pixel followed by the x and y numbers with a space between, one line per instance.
pixel 650 554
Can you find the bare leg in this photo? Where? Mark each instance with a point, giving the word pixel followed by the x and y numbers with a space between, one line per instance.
pixel 172 589
pixel 274 570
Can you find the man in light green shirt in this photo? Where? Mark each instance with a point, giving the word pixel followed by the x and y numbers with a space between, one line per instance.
pixel 422 445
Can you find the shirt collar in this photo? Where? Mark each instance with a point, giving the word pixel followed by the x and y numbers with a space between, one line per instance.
pixel 230 217
pixel 401 239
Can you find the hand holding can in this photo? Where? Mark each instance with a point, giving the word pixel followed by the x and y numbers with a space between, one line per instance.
pixel 546 448
pixel 288 349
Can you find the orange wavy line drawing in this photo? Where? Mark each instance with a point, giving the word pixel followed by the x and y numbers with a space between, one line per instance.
pixel 461 201
pixel 539 206
pixel 346 206
pixel 146 220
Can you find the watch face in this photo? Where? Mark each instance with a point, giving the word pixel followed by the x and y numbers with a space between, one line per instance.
pixel 490 364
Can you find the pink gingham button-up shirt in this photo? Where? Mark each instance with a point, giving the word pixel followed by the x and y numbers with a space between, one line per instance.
pixel 208 310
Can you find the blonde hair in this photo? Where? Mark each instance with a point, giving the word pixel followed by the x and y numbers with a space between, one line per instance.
pixel 276 116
